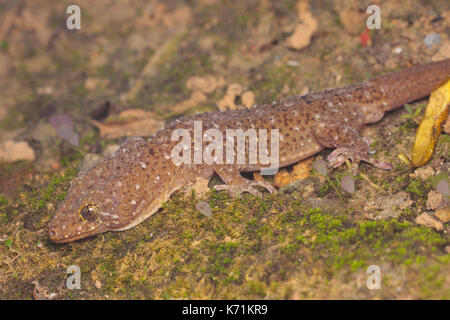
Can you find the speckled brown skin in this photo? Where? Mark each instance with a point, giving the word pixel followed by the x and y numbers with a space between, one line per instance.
pixel 132 184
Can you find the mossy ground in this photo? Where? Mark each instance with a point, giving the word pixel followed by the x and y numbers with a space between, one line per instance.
pixel 280 246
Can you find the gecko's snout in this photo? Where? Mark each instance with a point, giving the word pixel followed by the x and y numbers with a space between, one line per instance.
pixel 51 232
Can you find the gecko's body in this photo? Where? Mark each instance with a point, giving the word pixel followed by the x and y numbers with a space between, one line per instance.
pixel 125 189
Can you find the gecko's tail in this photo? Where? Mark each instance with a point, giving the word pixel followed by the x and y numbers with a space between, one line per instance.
pixel 412 83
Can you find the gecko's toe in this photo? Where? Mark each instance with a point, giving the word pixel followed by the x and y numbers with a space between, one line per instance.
pixel 250 187
pixel 266 185
pixel 236 190
pixel 340 155
pixel 337 157
pixel 380 165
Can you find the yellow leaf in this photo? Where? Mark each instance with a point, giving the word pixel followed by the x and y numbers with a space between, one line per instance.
pixel 431 126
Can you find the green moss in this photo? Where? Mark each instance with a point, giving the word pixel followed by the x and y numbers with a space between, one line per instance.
pixel 407 128
pixel 4 45
pixel 400 179
pixel 14 119
pixel 256 288
pixel 168 86
pixel 57 180
pixel 242 20
pixel 418 187
pixel 3 201
pixel 444 139
pixel 272 83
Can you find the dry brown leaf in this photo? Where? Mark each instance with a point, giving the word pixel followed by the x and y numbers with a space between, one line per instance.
pixel 234 89
pixel 443 214
pixel 205 84
pixel 435 199
pixel 429 221
pixel 11 151
pixel 129 122
pixel 303 168
pixel 196 98
pixel 443 53
pixel 228 102
pixel 352 20
pixel 257 176
pixel 282 178
pixel 300 171
pixel 305 29
pixel 248 99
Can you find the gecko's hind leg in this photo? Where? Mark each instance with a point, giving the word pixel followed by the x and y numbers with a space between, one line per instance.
pixel 349 145
pixel 339 155
pixel 236 184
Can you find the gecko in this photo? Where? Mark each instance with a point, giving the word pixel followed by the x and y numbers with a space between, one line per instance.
pixel 126 188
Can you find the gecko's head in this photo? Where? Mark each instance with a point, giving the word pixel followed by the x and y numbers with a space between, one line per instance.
pixel 90 207
pixel 71 225
pixel 113 195
pixel 106 197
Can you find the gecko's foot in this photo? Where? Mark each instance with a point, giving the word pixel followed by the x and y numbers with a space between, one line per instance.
pixel 236 190
pixel 339 155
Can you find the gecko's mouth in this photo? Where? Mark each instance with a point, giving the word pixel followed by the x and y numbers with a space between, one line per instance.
pixel 53 235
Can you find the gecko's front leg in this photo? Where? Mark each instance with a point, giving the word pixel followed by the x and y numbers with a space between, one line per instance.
pixel 338 133
pixel 237 184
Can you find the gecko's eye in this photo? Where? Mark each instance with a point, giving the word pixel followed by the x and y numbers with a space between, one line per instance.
pixel 89 212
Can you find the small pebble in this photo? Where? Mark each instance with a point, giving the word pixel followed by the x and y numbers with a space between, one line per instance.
pixel 398 50
pixel 320 166
pixel 98 284
pixel 432 38
pixel 110 149
pixel 204 208
pixel 442 186
pixel 348 183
